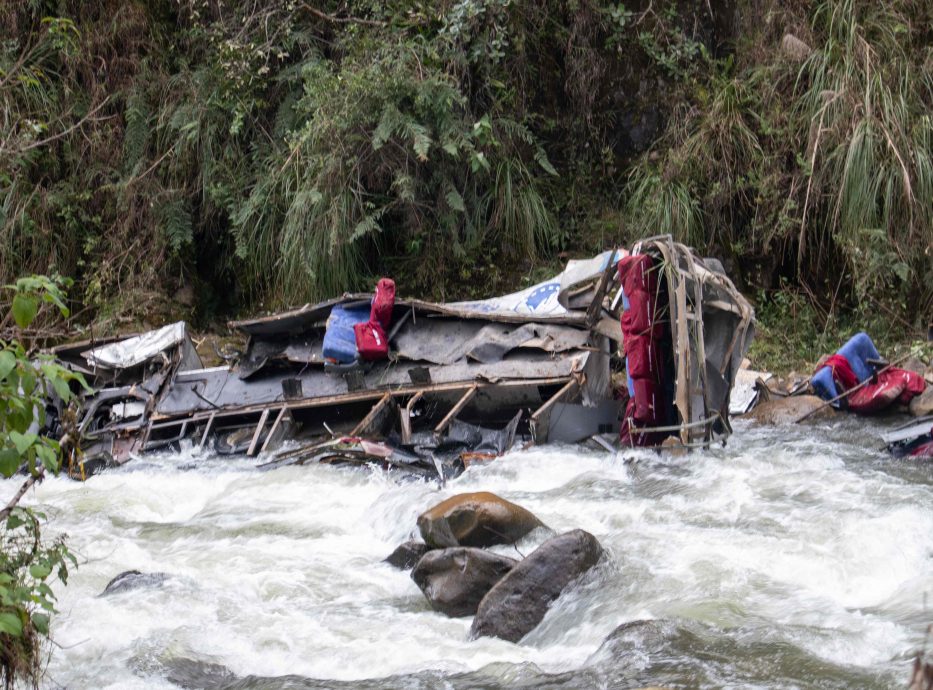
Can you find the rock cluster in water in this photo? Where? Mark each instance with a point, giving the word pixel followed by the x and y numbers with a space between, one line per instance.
pixel 507 597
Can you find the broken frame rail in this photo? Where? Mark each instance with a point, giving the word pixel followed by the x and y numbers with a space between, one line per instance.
pixel 213 418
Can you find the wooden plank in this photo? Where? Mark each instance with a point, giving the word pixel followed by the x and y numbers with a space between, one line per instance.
pixel 275 426
pixel 368 419
pixel 405 417
pixel 258 433
pixel 207 430
pixel 461 403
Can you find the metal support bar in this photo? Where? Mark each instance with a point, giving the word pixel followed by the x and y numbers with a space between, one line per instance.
pixel 207 430
pixel 554 399
pixel 368 419
pixel 461 403
pixel 405 417
pixel 258 433
pixel 275 425
pixel 535 423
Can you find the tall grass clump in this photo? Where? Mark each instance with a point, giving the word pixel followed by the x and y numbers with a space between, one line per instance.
pixel 404 168
pixel 817 168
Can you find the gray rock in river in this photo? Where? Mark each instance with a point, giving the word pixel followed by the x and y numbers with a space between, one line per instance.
pixel 455 580
pixel 475 519
pixel 519 600
pixel 645 637
pixel 133 579
pixel 407 555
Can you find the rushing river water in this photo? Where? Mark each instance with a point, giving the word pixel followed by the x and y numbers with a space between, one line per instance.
pixel 794 557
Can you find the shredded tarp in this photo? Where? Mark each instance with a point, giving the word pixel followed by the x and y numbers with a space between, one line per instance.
pixel 447 341
pixel 138 349
pixel 543 299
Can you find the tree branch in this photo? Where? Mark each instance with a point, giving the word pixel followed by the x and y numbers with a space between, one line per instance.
pixel 34 478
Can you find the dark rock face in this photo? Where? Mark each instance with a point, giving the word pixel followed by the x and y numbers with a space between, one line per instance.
pixel 407 554
pixel 519 601
pixel 133 579
pixel 455 580
pixel 475 519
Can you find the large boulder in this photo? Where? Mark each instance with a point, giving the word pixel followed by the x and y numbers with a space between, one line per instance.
pixel 788 410
pixel 407 555
pixel 475 519
pixel 922 405
pixel 519 600
pixel 455 580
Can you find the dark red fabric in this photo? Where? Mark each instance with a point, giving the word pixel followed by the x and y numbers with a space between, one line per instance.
pixel 641 357
pixel 893 385
pixel 914 385
pixel 642 336
pixel 383 302
pixel 371 341
pixel 842 372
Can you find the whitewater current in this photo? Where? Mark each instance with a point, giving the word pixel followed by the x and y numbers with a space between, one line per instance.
pixel 792 557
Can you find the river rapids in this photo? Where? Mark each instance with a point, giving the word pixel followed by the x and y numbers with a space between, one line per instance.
pixel 791 558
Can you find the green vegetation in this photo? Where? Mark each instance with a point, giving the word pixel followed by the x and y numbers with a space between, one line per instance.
pixel 270 152
pixel 27 563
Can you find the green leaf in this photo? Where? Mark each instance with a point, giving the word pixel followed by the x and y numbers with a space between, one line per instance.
pixel 54 376
pixel 27 380
pixel 22 442
pixel 11 624
pixel 53 298
pixel 9 462
pixel 41 622
pixel 7 363
pixel 49 456
pixel 40 571
pixel 25 308
pixel 542 160
pixel 455 201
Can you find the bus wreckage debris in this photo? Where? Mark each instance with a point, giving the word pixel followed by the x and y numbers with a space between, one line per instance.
pixel 632 347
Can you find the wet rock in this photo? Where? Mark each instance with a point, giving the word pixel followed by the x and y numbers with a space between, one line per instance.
pixel 913 364
pixel 407 555
pixel 518 602
pixel 922 405
pixel 455 580
pixel 475 519
pixel 788 410
pixel 133 579
pixel 643 636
